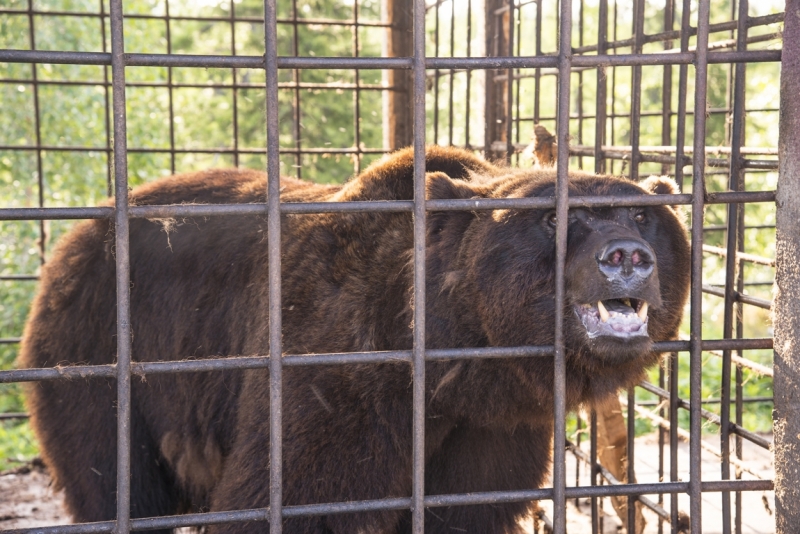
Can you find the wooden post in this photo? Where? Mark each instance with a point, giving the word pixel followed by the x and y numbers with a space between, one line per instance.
pixel 398 120
pixel 497 112
pixel 786 387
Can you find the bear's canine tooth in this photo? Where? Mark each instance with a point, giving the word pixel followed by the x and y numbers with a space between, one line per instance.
pixel 604 315
pixel 642 313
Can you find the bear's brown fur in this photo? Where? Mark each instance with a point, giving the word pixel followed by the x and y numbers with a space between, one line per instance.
pixel 200 441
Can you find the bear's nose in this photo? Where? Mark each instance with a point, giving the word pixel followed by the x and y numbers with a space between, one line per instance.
pixel 627 260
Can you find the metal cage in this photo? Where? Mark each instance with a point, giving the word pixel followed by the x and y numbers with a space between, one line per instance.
pixel 505 93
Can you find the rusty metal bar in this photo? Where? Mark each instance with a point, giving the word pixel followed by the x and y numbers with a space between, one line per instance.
pixel 562 207
pixel 696 314
pixel 122 260
pixel 420 218
pixel 257 62
pixel 275 512
pixel 709 416
pixel 253 362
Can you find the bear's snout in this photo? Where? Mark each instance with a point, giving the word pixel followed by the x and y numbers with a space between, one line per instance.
pixel 627 263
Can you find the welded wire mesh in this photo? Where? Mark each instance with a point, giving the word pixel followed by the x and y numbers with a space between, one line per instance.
pixel 469 73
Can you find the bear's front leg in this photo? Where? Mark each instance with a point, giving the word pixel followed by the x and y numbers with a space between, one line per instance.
pixel 486 459
pixel 337 447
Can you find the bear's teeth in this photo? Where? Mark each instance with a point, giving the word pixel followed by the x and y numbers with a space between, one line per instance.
pixel 642 313
pixel 604 315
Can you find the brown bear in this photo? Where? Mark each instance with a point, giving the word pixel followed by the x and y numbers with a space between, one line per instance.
pixel 200 441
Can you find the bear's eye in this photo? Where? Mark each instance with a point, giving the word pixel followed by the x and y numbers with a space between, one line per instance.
pixel 552 220
pixel 640 217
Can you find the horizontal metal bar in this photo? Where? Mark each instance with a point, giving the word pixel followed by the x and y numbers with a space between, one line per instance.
pixel 687 437
pixel 740 197
pixel 717 400
pixel 752 22
pixel 611 479
pixel 80 528
pixel 257 62
pixel 216 85
pixel 743 256
pixel 745 299
pixel 209 518
pixel 500 146
pixel 165 18
pixel 493 62
pixel 736 485
pixel 664 149
pixel 55 373
pixel 207 210
pixel 55 57
pixel 43 214
pixel 9 340
pixel 9 416
pixel 292 360
pixel 19 278
pixel 285 62
pixel 215 150
pixel 709 416
pixel 749 364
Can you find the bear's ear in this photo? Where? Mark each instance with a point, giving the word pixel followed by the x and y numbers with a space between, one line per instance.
pixel 441 186
pixel 660 185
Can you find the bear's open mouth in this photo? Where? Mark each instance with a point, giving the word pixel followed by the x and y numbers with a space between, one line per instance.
pixel 621 318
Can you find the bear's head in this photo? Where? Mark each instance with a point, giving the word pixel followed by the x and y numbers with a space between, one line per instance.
pixel 627 268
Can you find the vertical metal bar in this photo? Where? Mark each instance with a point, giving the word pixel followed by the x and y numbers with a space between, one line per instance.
pixel 418 480
pixel 683 77
pixel 602 94
pixel 274 260
pixel 731 263
pixel 739 334
pixel 593 469
pixel 452 72
pixel 518 84
pixel 170 89
pixel 232 7
pixel 578 436
pixel 298 159
pixel 356 96
pixel 537 73
pixel 666 100
pixel 661 436
pixel 468 74
pixel 630 526
pixel 121 232
pixel 562 194
pixel 666 139
pixel 680 142
pixel 636 89
pixel 786 415
pixel 696 317
pixel 37 126
pixel 107 100
pixel 436 76
pixel 614 88
pixel 510 85
pixel 672 377
pixel 729 80
pixel 579 95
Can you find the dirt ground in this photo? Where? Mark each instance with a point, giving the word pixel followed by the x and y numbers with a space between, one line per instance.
pixel 27 499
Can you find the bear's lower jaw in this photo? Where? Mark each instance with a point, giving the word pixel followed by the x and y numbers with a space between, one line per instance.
pixel 614 318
